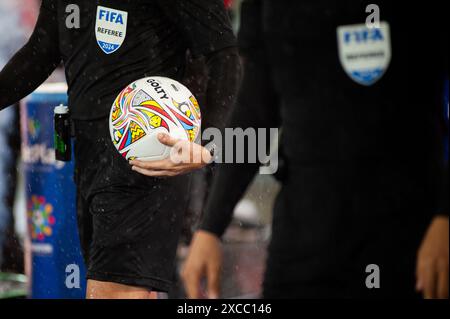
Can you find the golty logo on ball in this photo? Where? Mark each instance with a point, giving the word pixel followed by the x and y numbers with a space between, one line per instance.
pixel 150 106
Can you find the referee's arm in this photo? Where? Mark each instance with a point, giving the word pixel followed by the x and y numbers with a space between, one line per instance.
pixel 257 107
pixel 205 27
pixel 34 63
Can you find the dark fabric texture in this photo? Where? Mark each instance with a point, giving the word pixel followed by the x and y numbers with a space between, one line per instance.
pixel 159 32
pixel 129 224
pixel 365 164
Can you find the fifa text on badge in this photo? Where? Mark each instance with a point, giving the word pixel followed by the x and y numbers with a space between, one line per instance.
pixel 111 16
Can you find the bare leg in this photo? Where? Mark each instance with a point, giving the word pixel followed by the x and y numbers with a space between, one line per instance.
pixel 110 290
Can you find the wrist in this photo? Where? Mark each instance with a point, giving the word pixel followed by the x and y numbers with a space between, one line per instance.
pixel 440 219
pixel 206 236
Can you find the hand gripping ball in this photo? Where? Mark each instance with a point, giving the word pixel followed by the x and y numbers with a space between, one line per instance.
pixel 150 106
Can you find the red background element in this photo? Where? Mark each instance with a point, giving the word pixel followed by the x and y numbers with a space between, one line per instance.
pixel 228 3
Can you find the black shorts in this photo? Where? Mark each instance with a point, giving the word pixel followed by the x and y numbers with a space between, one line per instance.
pixel 129 224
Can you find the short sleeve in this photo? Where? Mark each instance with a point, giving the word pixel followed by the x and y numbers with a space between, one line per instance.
pixel 205 24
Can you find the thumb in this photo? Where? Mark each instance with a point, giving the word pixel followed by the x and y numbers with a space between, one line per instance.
pixel 166 139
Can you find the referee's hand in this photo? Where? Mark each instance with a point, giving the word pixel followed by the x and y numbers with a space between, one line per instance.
pixel 432 260
pixel 204 261
pixel 184 157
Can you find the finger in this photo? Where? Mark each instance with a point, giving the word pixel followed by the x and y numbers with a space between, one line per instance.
pixel 155 165
pixel 166 139
pixel 213 284
pixel 419 284
pixel 429 280
pixel 153 173
pixel 419 277
pixel 213 272
pixel 442 282
pixel 191 279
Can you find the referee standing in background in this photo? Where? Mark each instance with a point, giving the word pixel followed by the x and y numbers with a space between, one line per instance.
pixel 363 210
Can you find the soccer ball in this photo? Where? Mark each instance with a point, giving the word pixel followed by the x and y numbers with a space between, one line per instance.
pixel 150 106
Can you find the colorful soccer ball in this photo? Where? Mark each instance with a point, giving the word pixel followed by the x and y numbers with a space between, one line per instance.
pixel 150 106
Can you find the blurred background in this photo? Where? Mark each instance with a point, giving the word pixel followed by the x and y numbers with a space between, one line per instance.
pixel 17 19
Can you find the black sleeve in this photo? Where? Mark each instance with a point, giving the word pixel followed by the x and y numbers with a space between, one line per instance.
pixel 207 30
pixel 439 51
pixel 444 198
pixel 441 162
pixel 205 24
pixel 223 81
pixel 257 107
pixel 32 64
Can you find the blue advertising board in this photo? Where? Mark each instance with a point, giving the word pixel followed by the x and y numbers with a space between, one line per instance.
pixel 57 266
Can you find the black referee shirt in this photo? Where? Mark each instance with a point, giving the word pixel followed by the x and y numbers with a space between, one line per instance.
pixel 117 42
